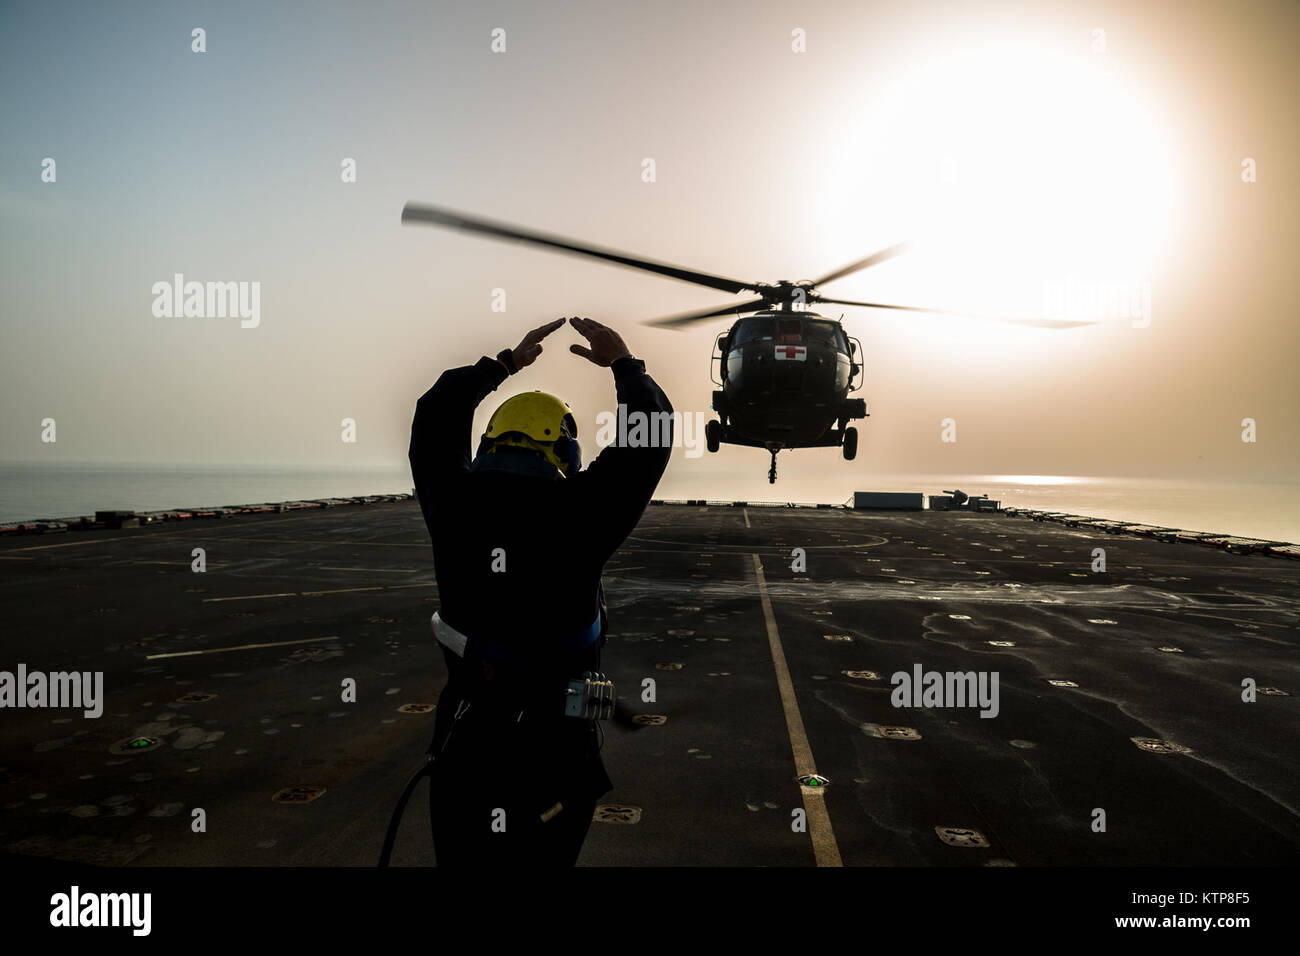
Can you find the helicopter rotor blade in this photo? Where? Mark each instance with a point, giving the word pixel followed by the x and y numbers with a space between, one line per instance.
pixel 1010 319
pixel 680 321
pixel 874 259
pixel 413 212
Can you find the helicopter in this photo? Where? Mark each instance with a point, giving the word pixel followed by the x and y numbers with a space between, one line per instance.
pixel 786 373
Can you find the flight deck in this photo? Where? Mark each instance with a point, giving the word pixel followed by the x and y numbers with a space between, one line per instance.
pixel 754 650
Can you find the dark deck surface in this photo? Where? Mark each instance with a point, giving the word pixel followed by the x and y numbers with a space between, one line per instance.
pixel 715 783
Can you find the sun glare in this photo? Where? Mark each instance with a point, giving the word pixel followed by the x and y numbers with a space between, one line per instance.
pixel 1035 479
pixel 1035 183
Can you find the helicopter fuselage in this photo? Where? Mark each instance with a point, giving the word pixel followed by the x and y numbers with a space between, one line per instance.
pixel 786 377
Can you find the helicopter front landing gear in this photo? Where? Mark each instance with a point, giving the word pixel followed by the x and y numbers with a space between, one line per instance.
pixel 713 435
pixel 771 472
pixel 850 446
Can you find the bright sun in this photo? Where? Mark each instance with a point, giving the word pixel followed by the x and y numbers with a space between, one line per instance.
pixel 1025 176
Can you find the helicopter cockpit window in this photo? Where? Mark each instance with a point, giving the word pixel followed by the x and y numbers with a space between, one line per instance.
pixel 791 330
pixel 825 333
pixel 755 330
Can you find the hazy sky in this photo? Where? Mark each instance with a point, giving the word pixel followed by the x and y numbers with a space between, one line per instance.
pixel 1019 156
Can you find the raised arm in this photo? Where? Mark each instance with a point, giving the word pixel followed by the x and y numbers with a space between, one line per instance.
pixel 444 415
pixel 622 479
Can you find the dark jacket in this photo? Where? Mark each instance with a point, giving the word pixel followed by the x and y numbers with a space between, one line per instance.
pixel 556 533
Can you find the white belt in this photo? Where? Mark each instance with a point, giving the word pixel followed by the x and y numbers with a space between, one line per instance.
pixel 448 636
pixel 456 642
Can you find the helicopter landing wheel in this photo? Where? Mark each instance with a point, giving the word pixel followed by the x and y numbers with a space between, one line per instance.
pixel 850 447
pixel 713 435
pixel 771 472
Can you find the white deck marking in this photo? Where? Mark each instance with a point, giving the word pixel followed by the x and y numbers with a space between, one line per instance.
pixel 249 597
pixel 380 570
pixel 825 849
pixel 375 587
pixel 349 542
pixel 69 544
pixel 239 647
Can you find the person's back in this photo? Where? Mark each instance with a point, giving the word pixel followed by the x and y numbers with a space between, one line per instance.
pixel 519 557
pixel 520 537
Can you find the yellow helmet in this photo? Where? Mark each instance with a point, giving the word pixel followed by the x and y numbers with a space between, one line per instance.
pixel 538 421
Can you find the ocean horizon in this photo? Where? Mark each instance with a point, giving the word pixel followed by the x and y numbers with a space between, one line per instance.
pixel 1250 509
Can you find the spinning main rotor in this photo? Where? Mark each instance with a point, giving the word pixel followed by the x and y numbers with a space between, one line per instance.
pixel 770 295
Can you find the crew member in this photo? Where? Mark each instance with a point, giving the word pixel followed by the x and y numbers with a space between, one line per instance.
pixel 520 537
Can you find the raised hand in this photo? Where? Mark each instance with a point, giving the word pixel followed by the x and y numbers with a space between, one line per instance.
pixel 606 344
pixel 526 352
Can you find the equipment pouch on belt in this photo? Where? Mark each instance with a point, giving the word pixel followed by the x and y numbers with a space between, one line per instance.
pixel 590 696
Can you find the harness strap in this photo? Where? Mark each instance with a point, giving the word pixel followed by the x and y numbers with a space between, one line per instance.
pixel 494 651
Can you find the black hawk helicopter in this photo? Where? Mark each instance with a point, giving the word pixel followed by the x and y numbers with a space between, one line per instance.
pixel 785 372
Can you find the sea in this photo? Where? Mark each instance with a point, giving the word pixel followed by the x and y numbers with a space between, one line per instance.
pixel 1263 509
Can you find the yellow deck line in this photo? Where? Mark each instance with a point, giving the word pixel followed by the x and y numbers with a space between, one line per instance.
pixel 825 849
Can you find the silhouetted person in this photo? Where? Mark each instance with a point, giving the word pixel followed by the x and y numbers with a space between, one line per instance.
pixel 520 537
